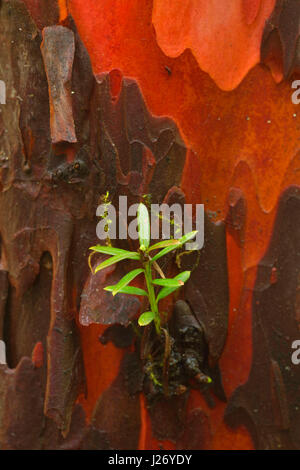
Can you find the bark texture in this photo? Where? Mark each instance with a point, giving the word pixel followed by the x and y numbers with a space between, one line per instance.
pixel 67 136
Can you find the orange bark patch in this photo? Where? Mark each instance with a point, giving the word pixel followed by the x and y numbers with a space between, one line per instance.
pixel 101 365
pixel 63 10
pixel 250 9
pixel 38 355
pixel 224 36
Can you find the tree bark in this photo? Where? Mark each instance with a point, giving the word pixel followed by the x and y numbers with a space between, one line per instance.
pixel 68 135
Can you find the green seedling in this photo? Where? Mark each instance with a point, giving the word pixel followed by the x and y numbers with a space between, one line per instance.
pixel 147 256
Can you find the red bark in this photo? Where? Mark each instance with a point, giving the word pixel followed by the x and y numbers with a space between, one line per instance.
pixel 75 126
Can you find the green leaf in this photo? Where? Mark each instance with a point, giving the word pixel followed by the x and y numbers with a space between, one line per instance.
pixel 187 237
pixel 165 243
pixel 181 241
pixel 126 280
pixel 167 282
pixel 143 226
pixel 115 259
pixel 128 290
pixel 110 250
pixel 146 318
pixel 165 251
pixel 184 276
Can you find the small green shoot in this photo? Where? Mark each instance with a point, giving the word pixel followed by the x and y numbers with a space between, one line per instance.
pixel 148 265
